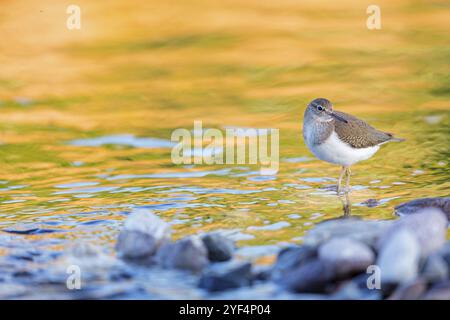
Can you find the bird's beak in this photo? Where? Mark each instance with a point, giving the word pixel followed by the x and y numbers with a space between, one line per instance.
pixel 334 115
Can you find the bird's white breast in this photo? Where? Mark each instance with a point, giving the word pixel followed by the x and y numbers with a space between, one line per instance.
pixel 336 151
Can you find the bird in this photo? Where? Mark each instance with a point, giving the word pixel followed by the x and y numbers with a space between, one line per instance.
pixel 340 138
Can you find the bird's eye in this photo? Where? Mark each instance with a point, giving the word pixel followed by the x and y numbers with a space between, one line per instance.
pixel 319 108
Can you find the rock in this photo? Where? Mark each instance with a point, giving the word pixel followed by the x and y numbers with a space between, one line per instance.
pixel 444 252
pixel 410 291
pixel 88 257
pixel 311 277
pixel 399 258
pixel 429 228
pixel 142 234
pixel 356 289
pixel 237 277
pixel 290 258
pixel 360 230
pixel 439 291
pixel 424 204
pixel 346 256
pixel 371 203
pixel 435 269
pixel 188 254
pixel 28 229
pixel 219 247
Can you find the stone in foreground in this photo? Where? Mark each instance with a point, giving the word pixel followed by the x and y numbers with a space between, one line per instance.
pixel 237 277
pixel 346 256
pixel 142 234
pixel 399 258
pixel 360 230
pixel 187 254
pixel 219 247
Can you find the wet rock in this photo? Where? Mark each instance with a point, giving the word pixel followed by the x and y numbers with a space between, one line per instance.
pixel 371 203
pixel 360 230
pixel 219 247
pixel 429 228
pixel 188 254
pixel 28 229
pixel 143 233
pixel 346 256
pixel 435 269
pixel 88 257
pixel 11 291
pixel 356 289
pixel 424 204
pixel 290 258
pixel 412 290
pixel 311 277
pixel 237 277
pixel 444 252
pixel 399 258
pixel 439 291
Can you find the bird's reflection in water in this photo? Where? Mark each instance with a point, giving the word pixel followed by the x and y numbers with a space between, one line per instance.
pixel 346 204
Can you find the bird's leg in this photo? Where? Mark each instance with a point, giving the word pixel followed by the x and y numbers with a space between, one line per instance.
pixel 343 170
pixel 347 184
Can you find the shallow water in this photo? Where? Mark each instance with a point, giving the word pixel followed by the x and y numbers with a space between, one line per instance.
pixel 86 116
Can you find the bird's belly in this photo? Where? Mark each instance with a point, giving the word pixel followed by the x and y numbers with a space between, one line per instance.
pixel 336 151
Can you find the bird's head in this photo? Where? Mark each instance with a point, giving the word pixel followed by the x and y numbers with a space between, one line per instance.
pixel 322 110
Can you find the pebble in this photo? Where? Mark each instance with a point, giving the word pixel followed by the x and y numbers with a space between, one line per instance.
pixel 219 247
pixel 237 277
pixel 435 269
pixel 346 256
pixel 399 258
pixel 357 229
pixel 187 254
pixel 424 204
pixel 311 277
pixel 142 235
pixel 429 228
pixel 412 290
pixel 290 258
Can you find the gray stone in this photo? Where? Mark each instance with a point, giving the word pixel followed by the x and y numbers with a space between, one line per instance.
pixel 424 204
pixel 290 258
pixel 435 268
pixel 429 228
pixel 346 256
pixel 444 252
pixel 142 234
pixel 399 258
pixel 188 254
pixel 412 290
pixel 360 230
pixel 356 289
pixel 219 247
pixel 311 277
pixel 237 277
pixel 439 291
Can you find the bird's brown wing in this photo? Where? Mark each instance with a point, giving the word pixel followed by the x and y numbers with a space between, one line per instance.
pixel 358 133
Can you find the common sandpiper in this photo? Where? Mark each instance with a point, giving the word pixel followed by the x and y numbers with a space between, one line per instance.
pixel 340 138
